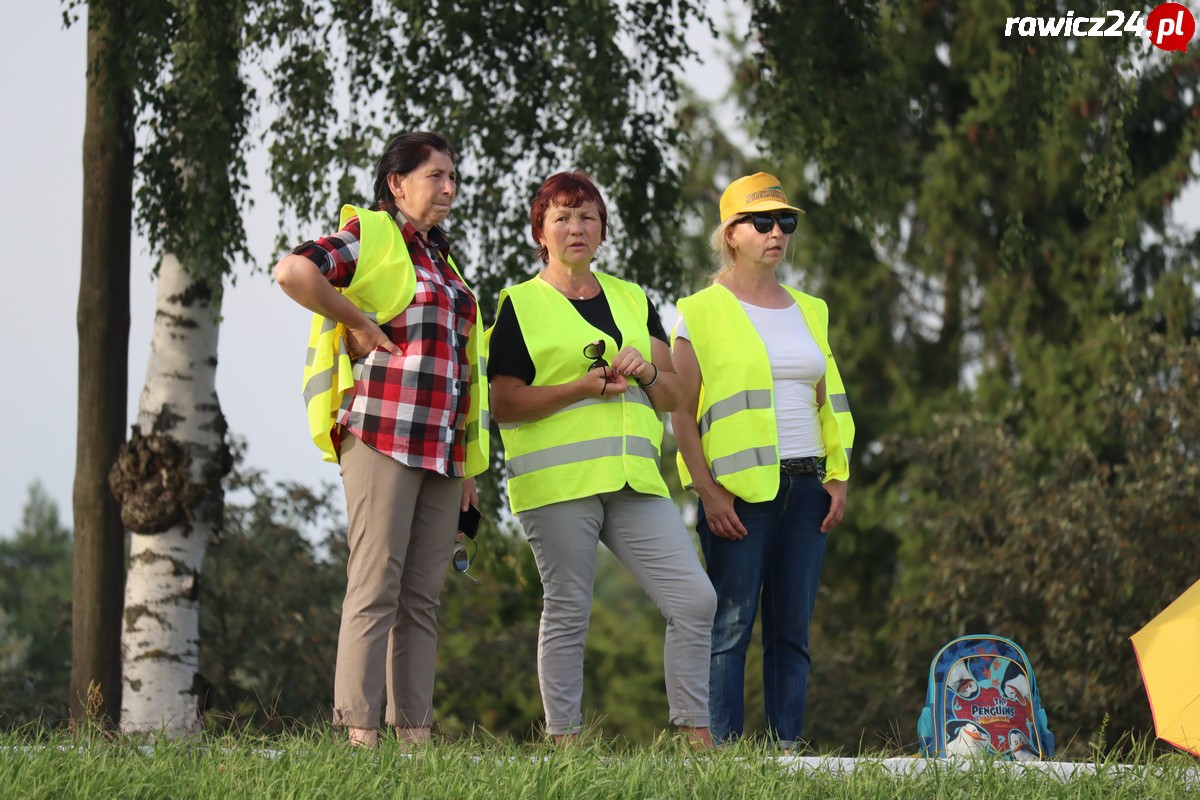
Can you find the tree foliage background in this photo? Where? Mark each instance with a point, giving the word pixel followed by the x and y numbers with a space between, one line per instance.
pixel 35 615
pixel 523 90
pixel 1013 307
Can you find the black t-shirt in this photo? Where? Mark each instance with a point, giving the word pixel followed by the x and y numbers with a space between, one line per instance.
pixel 509 355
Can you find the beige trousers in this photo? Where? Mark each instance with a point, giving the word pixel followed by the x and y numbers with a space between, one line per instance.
pixel 401 534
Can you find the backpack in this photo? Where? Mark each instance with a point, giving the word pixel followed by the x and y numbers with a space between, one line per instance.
pixel 982 699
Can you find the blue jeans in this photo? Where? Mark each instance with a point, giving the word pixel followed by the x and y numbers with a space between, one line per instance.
pixel 781 558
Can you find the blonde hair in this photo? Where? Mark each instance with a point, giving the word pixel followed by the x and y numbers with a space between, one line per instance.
pixel 723 254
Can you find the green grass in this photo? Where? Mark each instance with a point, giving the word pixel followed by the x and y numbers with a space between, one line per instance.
pixel 35 764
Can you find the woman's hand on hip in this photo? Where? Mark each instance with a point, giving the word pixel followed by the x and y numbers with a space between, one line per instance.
pixel 367 337
pixel 837 505
pixel 719 513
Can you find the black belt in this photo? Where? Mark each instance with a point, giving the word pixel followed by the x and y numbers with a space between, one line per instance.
pixel 810 465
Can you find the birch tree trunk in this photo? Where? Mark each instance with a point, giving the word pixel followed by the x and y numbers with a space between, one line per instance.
pixel 169 482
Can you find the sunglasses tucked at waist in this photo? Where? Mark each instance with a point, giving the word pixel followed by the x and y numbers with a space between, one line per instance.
pixel 810 465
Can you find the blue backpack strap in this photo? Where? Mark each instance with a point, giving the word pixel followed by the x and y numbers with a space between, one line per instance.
pixel 925 732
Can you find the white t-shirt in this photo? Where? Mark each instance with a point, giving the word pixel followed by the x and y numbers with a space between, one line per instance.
pixel 797 365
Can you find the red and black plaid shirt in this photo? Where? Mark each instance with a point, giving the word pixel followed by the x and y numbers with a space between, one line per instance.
pixel 411 407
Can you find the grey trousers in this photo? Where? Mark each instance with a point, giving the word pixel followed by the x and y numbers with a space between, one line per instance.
pixel 646 534
pixel 402 526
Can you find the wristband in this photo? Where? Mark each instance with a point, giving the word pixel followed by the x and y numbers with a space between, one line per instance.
pixel 653 380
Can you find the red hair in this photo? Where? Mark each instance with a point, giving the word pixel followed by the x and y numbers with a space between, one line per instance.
pixel 571 189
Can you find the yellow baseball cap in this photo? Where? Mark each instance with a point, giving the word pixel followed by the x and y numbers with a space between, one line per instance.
pixel 758 192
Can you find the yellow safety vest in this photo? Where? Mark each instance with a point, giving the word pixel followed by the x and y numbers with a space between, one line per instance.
pixel 594 445
pixel 383 285
pixel 736 411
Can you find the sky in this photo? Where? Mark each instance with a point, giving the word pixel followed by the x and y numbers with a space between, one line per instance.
pixel 263 334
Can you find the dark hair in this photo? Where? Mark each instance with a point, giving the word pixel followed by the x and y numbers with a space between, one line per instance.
pixel 571 189
pixel 404 154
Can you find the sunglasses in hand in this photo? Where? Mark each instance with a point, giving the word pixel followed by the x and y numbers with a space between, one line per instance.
pixel 763 223
pixel 594 351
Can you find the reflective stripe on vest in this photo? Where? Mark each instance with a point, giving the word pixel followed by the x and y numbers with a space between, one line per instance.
pixel 594 445
pixel 742 401
pixel 743 460
pixel 562 454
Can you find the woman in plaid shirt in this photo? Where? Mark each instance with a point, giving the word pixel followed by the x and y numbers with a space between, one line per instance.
pixel 393 312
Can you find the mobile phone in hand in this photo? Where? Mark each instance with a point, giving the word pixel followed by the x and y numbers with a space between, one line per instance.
pixel 468 521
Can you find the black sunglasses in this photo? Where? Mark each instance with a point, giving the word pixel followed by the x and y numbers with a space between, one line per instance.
pixel 595 351
pixel 763 223
pixel 462 559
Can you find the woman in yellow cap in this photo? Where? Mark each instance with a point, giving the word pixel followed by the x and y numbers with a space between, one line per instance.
pixel 764 436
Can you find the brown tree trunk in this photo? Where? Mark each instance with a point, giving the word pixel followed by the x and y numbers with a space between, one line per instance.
pixel 103 325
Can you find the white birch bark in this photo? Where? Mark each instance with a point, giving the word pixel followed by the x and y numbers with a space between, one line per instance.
pixel 160 641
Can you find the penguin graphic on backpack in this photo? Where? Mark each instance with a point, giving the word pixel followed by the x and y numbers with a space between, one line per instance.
pixel 982 699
